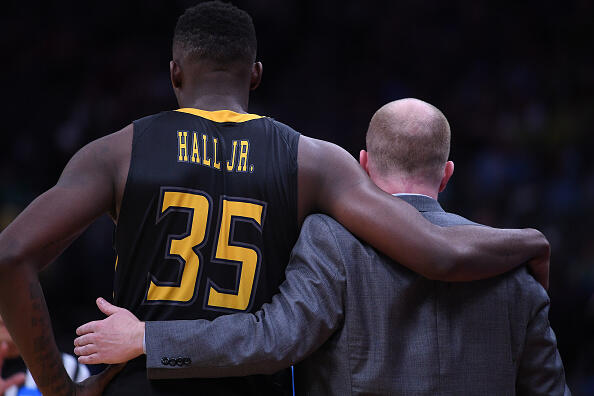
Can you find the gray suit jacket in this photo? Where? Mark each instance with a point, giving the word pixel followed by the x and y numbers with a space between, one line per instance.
pixel 356 323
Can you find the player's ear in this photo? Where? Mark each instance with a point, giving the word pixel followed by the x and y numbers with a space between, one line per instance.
pixel 175 73
pixel 363 160
pixel 256 75
pixel 447 173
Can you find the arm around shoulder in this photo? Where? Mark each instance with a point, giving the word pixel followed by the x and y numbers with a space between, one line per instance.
pixel 306 311
pixel 331 181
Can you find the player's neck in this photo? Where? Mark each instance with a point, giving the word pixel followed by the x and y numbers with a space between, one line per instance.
pixel 214 102
pixel 216 91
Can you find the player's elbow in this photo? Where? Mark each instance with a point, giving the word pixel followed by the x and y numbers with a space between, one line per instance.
pixel 10 256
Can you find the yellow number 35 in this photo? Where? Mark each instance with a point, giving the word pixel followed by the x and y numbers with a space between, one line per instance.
pixel 186 247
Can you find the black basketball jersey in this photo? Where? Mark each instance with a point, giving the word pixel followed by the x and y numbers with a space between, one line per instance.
pixel 206 226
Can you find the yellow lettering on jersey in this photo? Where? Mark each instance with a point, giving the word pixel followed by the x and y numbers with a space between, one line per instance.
pixel 231 165
pixel 216 164
pixel 246 256
pixel 243 156
pixel 182 146
pixel 195 150
pixel 205 161
pixel 184 247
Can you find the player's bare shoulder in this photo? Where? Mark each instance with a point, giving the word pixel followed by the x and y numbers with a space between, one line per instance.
pixel 116 150
pixel 326 170
pixel 104 161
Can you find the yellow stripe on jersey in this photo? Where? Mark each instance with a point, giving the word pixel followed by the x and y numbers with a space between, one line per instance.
pixel 220 115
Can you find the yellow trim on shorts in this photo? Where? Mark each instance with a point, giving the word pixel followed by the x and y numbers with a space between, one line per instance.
pixel 220 115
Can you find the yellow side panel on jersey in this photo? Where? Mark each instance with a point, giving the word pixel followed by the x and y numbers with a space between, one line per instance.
pixel 220 115
pixel 247 256
pixel 183 247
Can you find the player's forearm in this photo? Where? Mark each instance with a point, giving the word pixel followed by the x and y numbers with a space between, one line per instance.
pixel 396 229
pixel 461 253
pixel 24 312
pixel 481 252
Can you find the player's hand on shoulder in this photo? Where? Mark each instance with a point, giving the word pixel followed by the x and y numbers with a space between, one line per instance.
pixel 95 384
pixel 115 339
pixel 539 266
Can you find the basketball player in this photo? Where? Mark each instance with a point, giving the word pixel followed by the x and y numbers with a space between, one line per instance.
pixel 351 320
pixel 208 201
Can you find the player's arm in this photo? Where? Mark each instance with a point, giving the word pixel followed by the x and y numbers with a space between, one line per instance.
pixel 303 315
pixel 86 189
pixel 331 181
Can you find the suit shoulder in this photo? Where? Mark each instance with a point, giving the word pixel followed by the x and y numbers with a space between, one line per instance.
pixel 322 222
pixel 325 227
pixel 525 287
pixel 447 219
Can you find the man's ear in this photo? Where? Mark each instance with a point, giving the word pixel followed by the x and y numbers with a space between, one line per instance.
pixel 447 173
pixel 175 73
pixel 256 75
pixel 363 160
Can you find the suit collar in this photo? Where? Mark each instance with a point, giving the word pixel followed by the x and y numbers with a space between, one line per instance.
pixel 422 203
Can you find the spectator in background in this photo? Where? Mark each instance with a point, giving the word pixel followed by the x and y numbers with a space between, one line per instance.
pixel 16 379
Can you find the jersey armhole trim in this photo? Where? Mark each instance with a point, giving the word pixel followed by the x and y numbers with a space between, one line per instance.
pixel 135 136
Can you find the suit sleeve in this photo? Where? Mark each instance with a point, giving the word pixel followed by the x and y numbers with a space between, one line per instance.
pixel 541 370
pixel 306 311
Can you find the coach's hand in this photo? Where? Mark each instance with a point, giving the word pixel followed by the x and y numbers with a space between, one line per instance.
pixel 95 384
pixel 115 339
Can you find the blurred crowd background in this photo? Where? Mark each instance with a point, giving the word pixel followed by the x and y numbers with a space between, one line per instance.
pixel 515 79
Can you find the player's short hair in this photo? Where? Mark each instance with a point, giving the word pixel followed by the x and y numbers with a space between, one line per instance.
pixel 410 137
pixel 216 31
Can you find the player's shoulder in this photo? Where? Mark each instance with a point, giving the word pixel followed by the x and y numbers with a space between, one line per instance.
pixel 280 125
pixel 140 125
pixel 108 149
pixel 156 116
pixel 288 134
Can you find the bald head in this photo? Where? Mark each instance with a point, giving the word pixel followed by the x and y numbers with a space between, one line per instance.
pixel 408 138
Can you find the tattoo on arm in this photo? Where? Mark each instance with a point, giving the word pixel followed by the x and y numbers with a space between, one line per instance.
pixel 51 375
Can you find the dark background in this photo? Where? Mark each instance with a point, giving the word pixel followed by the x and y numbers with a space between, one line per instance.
pixel 515 80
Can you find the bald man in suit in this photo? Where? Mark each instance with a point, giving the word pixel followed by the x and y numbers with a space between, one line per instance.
pixel 355 323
